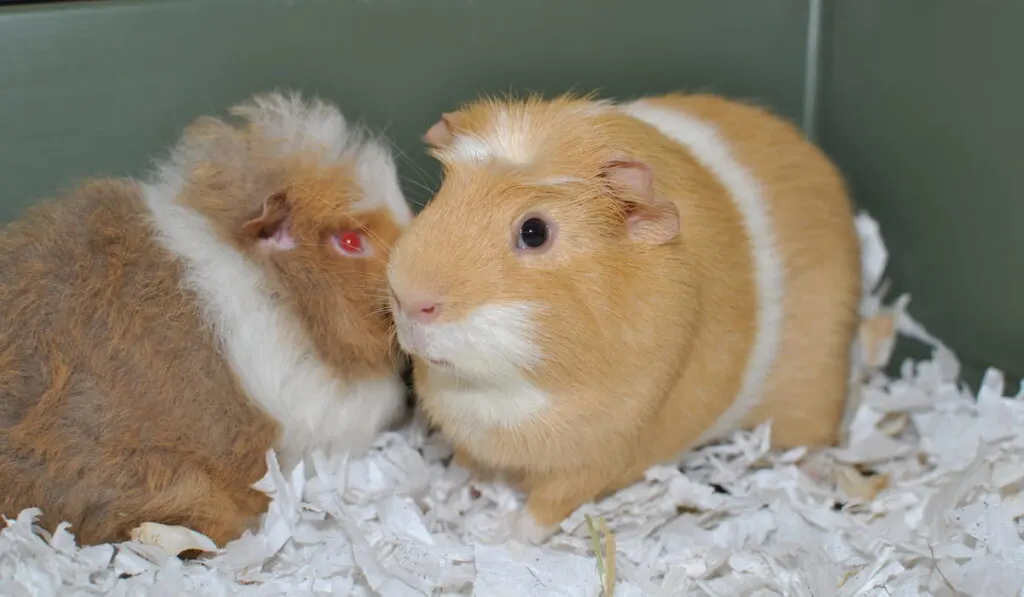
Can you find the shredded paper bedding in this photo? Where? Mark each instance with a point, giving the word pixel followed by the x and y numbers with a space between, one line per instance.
pixel 923 498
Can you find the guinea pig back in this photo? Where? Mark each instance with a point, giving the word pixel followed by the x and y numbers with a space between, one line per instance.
pixel 598 287
pixel 158 337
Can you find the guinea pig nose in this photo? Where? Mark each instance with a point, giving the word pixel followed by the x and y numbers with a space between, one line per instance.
pixel 423 310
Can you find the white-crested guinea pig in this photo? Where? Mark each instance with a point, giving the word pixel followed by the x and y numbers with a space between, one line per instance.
pixel 598 287
pixel 158 337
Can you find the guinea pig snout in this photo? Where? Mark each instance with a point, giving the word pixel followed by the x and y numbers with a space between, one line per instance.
pixel 412 336
pixel 420 307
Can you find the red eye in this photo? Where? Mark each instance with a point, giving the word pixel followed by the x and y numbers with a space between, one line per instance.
pixel 349 242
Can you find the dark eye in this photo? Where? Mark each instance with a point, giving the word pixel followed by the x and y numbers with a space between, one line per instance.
pixel 533 234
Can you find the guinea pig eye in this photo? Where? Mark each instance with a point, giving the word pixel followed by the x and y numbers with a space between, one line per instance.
pixel 534 233
pixel 350 243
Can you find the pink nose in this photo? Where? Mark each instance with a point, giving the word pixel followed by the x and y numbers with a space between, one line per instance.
pixel 423 310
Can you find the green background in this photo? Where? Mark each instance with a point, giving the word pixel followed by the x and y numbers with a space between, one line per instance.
pixel 917 100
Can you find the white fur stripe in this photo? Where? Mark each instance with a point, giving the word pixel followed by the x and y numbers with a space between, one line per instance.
pixel 707 145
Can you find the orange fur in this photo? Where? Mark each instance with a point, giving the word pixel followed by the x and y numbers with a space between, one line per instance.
pixel 643 344
pixel 117 405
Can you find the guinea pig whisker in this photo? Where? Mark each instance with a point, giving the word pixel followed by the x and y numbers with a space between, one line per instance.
pixel 374 236
pixel 384 312
pixel 380 259
pixel 421 186
pixel 412 164
pixel 424 177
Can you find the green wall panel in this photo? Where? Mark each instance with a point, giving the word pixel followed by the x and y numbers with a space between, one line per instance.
pixel 99 88
pixel 922 105
pixel 919 104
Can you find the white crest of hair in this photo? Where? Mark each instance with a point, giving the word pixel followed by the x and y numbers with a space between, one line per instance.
pixel 466 148
pixel 555 181
pixel 275 360
pixel 509 138
pixel 301 126
pixel 708 146
pixel 315 127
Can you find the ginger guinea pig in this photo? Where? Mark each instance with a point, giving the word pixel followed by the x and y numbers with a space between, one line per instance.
pixel 598 287
pixel 157 337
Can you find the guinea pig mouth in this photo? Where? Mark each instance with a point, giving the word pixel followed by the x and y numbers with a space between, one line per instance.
pixel 439 363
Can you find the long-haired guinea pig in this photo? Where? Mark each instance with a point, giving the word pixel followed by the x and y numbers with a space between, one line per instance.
pixel 158 337
pixel 598 287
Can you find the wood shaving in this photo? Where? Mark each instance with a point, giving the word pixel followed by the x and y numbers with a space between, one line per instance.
pixel 858 486
pixel 175 540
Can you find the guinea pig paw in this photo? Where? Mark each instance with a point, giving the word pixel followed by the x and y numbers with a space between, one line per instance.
pixel 526 529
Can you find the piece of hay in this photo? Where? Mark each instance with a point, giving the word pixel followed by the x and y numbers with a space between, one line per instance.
pixel 604 554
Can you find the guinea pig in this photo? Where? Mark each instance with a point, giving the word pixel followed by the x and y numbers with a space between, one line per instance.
pixel 599 286
pixel 158 336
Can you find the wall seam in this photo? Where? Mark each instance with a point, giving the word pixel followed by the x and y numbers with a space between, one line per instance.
pixel 812 68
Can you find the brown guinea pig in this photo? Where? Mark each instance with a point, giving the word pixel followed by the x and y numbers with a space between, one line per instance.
pixel 157 338
pixel 597 287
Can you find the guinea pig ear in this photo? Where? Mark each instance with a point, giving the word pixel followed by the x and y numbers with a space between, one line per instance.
pixel 270 230
pixel 441 134
pixel 650 218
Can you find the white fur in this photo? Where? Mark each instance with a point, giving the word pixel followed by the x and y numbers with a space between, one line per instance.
pixel 490 342
pixel 526 529
pixel 376 173
pixel 316 127
pixel 479 406
pixel 299 126
pixel 555 181
pixel 707 145
pixel 276 361
pixel 510 137
pixel 486 350
pixel 466 148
